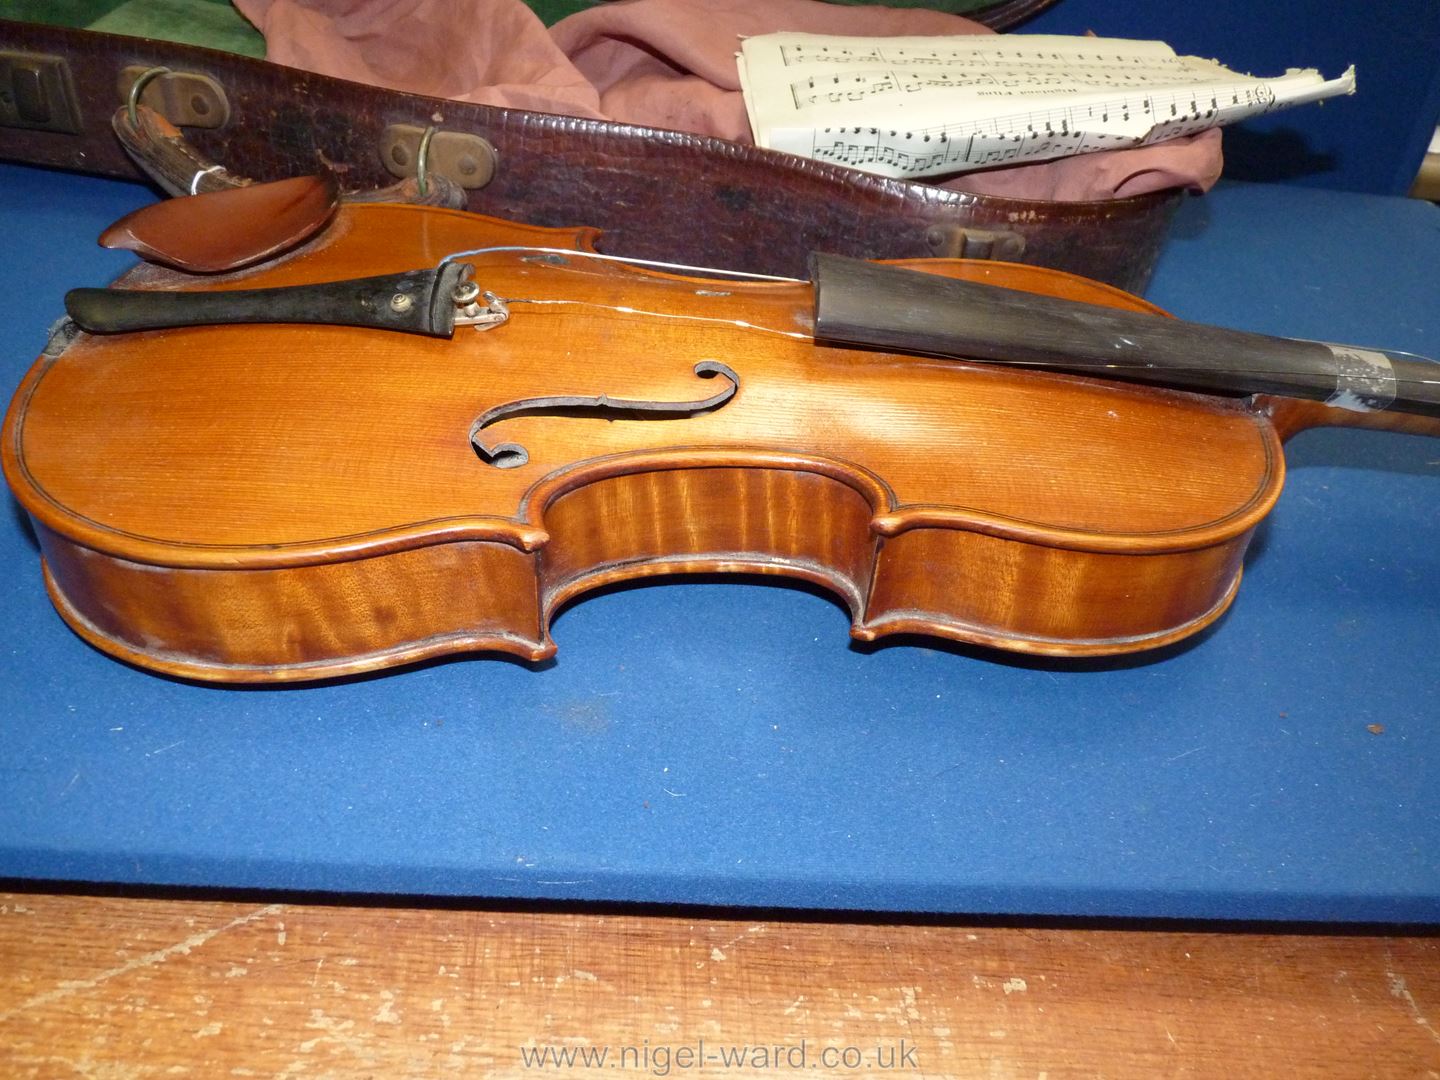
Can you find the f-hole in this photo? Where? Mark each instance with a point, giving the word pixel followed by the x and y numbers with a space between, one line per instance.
pixel 509 455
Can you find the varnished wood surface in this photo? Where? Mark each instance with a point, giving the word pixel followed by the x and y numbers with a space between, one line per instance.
pixel 138 988
pixel 293 502
pixel 225 431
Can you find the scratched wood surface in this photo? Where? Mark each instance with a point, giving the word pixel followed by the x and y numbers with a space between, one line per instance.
pixel 125 988
pixel 895 481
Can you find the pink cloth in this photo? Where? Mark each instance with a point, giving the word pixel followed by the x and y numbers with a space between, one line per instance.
pixel 656 63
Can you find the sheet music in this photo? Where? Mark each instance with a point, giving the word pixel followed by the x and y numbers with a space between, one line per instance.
pixel 926 106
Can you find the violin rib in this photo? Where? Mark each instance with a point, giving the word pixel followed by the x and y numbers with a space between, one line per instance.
pixel 297 502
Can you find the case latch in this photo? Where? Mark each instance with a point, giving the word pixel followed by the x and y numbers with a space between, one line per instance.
pixel 961 242
pixel 36 92
pixel 464 159
pixel 185 98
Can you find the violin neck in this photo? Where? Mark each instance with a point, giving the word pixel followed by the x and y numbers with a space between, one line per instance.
pixel 901 310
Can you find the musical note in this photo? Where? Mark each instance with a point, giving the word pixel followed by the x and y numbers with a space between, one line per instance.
pixel 918 107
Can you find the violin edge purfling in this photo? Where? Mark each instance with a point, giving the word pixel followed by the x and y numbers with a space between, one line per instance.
pixel 325 619
pixel 806 505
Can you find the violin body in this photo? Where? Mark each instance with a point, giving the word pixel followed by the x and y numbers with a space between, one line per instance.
pixel 289 502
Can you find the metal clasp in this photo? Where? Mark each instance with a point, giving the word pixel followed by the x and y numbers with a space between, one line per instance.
pixel 960 242
pixel 469 312
pixel 468 160
pixel 185 98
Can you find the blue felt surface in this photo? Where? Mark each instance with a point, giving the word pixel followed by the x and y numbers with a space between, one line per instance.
pixel 725 744
pixel 1372 141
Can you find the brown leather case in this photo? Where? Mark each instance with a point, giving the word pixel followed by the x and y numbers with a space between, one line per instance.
pixel 655 194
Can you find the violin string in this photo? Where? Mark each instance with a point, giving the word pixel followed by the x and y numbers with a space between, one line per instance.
pixel 739 323
pixel 708 271
pixel 798 336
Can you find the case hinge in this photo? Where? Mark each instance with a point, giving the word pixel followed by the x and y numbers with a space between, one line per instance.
pixel 960 242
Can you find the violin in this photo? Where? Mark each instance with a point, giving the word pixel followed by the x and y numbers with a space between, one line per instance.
pixel 424 431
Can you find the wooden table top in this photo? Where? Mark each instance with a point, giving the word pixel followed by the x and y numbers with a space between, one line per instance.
pixel 125 988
